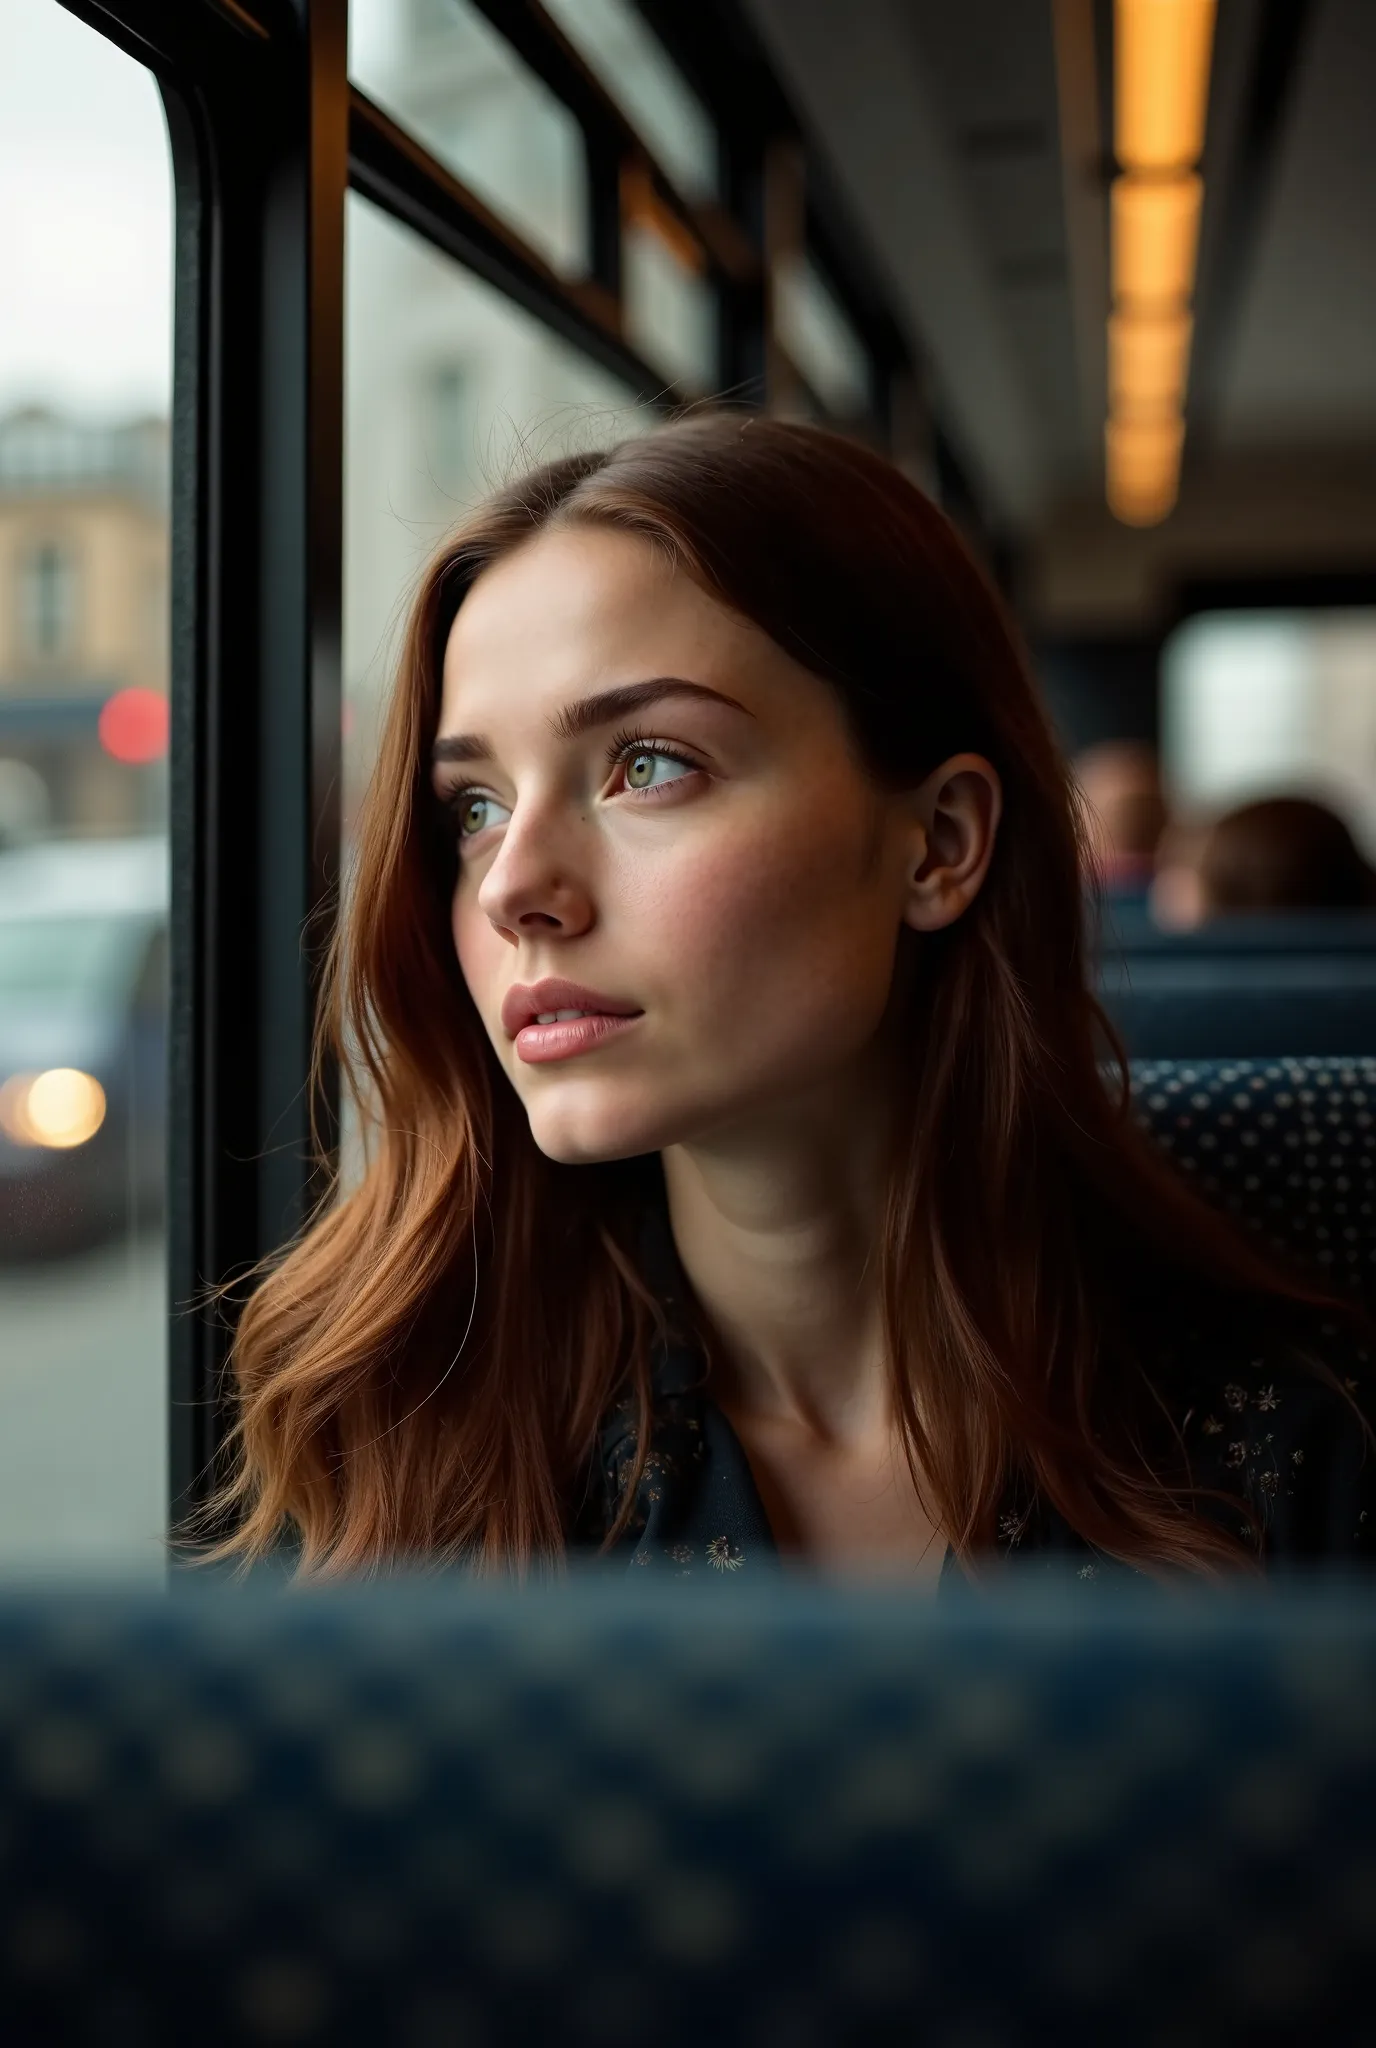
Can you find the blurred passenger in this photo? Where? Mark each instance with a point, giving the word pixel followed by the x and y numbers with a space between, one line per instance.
pixel 1284 853
pixel 1121 782
pixel 1175 900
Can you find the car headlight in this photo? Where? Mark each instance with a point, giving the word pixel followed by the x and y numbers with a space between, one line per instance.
pixel 59 1108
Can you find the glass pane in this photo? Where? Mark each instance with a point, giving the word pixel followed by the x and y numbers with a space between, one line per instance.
pixel 85 389
pixel 448 389
pixel 642 78
pixel 443 72
pixel 671 309
pixel 821 340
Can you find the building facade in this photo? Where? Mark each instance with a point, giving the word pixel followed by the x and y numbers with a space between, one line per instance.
pixel 83 616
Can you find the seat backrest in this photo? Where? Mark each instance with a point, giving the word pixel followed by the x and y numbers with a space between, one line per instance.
pixel 1288 1147
pixel 1257 987
pixel 1174 1004
pixel 1128 929
pixel 449 1814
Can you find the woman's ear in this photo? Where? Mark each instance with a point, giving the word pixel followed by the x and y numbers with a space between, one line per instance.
pixel 956 820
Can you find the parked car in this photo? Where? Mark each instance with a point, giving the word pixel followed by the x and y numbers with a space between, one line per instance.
pixel 83 1042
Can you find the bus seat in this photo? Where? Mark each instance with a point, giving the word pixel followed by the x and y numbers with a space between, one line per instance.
pixel 457 1815
pixel 1255 987
pixel 1127 929
pixel 1287 1146
pixel 1167 1004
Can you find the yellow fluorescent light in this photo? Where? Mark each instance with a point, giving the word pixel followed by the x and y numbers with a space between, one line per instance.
pixel 1137 505
pixel 1144 449
pixel 1161 51
pixel 1142 508
pixel 1148 361
pixel 1142 468
pixel 1155 225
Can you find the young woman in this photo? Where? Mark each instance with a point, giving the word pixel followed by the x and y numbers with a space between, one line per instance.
pixel 817 1239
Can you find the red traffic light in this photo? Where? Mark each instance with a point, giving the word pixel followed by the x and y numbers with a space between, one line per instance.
pixel 133 725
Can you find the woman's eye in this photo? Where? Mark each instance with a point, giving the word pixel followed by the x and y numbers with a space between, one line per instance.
pixel 464 810
pixel 465 802
pixel 634 760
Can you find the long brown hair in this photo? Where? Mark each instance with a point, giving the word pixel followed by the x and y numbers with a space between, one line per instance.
pixel 421 1375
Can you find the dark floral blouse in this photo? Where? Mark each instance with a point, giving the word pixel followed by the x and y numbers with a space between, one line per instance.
pixel 1254 1421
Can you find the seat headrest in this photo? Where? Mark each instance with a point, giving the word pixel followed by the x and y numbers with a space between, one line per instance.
pixel 1285 1146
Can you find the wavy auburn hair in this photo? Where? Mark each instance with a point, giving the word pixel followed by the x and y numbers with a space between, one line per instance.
pixel 421 1375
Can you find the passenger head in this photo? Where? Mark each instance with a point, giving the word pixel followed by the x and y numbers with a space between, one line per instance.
pixel 1284 853
pixel 871 868
pixel 1121 783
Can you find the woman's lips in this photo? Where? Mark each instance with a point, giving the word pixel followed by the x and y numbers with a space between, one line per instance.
pixel 537 1043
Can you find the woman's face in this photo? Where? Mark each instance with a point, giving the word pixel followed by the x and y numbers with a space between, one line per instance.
pixel 748 898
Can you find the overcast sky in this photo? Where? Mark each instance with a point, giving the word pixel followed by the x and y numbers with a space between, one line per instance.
pixel 85 220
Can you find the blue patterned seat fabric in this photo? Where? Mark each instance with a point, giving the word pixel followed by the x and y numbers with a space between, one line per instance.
pixel 447 1816
pixel 1287 1147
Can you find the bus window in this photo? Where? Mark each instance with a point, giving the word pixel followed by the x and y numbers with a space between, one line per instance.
pixel 639 74
pixel 671 309
pixel 85 391
pixel 455 83
pixel 821 341
pixel 1266 703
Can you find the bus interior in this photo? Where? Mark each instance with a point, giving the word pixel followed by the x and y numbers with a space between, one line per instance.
pixel 288 286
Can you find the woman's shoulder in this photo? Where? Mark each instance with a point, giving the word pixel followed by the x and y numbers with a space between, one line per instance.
pixel 1278 1408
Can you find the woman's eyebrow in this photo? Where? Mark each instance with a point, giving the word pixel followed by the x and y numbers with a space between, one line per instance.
pixel 587 713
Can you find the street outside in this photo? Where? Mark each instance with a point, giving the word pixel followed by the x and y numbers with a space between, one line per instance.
pixel 83 1413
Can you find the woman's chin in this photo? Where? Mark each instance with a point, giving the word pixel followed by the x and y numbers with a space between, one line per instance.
pixel 597 1141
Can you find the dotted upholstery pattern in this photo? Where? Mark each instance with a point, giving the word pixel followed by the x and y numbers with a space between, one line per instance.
pixel 1288 1147
pixel 433 1815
